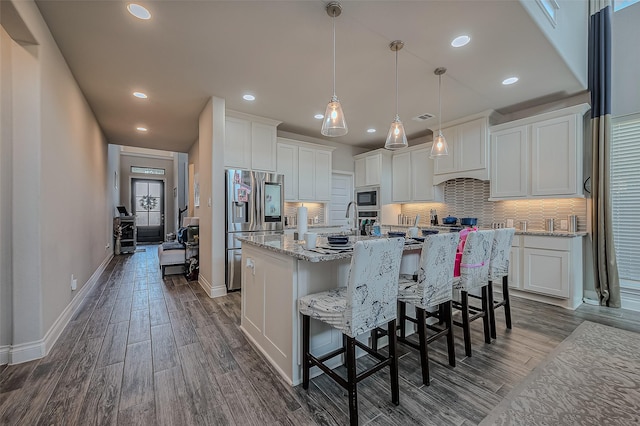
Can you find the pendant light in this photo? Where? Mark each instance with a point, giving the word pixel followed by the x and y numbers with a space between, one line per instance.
pixel 439 147
pixel 396 138
pixel 334 123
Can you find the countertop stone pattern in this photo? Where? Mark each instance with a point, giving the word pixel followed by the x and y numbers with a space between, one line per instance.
pixel 285 244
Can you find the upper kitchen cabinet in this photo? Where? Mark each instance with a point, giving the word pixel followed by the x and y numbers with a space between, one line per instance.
pixel 250 142
pixel 307 170
pixel 412 176
pixel 468 157
pixel 539 156
pixel 373 168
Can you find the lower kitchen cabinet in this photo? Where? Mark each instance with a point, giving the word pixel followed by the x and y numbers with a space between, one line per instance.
pixel 547 269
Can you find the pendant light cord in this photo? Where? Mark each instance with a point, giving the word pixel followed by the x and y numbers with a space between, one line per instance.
pixel 334 53
pixel 440 103
pixel 396 83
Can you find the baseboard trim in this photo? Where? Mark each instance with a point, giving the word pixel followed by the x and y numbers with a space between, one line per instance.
pixel 212 291
pixel 591 297
pixel 4 355
pixel 34 350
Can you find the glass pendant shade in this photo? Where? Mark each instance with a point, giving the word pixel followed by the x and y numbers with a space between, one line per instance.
pixel 334 123
pixel 396 138
pixel 439 147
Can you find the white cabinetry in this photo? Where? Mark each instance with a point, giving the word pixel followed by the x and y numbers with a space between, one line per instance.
pixel 307 170
pixel 538 157
pixel 468 150
pixel 548 269
pixel 250 142
pixel 412 176
pixel 371 168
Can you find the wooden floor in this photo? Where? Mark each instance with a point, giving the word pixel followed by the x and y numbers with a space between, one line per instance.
pixel 144 351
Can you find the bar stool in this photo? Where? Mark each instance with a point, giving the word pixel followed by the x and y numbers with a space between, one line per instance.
pixel 474 276
pixel 368 301
pixel 499 269
pixel 433 289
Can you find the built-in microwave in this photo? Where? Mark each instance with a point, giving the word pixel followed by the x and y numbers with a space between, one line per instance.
pixel 368 199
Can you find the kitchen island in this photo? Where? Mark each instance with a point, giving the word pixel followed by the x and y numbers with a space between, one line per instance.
pixel 276 271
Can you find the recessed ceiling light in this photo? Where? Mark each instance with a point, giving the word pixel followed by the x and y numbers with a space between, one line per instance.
pixel 510 80
pixel 140 95
pixel 318 116
pixel 371 130
pixel 249 97
pixel 460 41
pixel 141 129
pixel 138 11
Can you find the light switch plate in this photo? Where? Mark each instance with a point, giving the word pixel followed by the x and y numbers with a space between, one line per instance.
pixel 564 225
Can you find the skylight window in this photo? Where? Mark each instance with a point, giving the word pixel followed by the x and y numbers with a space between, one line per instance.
pixel 621 4
pixel 550 8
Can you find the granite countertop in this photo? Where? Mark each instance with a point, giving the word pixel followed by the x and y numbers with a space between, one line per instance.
pixel 285 244
pixel 535 232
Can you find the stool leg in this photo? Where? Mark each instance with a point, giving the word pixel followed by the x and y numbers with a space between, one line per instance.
pixel 422 337
pixel 393 367
pixel 486 314
pixel 344 347
pixel 374 340
pixel 351 381
pixel 305 352
pixel 402 317
pixel 507 302
pixel 492 310
pixel 466 329
pixel 449 323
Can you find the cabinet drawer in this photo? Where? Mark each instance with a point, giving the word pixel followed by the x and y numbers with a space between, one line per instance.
pixel 547 243
pixel 517 239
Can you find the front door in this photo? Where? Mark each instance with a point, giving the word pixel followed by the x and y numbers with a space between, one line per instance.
pixel 147 203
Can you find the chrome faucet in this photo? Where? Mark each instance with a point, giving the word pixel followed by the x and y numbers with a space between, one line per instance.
pixel 355 212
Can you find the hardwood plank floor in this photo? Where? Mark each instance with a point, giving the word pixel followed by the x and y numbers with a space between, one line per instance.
pixel 142 350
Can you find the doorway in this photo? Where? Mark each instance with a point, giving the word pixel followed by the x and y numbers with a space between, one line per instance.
pixel 147 204
pixel 341 195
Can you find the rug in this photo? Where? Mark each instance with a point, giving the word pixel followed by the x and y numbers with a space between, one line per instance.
pixel 591 378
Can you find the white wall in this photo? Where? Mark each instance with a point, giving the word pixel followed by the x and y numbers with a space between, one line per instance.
pixel 113 182
pixel 569 36
pixel 625 80
pixel 60 200
pixel 6 172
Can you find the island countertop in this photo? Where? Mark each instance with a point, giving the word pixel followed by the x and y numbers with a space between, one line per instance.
pixel 285 244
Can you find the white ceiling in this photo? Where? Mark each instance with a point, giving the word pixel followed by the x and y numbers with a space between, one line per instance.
pixel 281 51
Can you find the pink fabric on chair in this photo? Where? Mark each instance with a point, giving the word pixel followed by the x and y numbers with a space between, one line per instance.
pixel 463 239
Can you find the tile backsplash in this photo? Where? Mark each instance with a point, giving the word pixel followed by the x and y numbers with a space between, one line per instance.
pixel 469 198
pixel 313 210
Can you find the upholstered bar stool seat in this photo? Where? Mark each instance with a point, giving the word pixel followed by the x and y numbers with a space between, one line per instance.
pixel 368 301
pixel 499 271
pixel 474 273
pixel 430 293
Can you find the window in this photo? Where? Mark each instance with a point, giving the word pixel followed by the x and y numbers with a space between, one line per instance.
pixel 147 170
pixel 550 8
pixel 621 4
pixel 625 197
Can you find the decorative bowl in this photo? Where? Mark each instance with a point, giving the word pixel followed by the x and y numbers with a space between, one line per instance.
pixel 338 239
pixel 426 232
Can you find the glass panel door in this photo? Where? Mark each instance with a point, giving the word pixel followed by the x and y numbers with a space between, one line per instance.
pixel 148 206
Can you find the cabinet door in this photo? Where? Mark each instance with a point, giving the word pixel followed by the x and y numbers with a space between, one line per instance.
pixel 323 175
pixel 373 169
pixel 359 172
pixel 263 147
pixel 448 163
pixel 553 157
pixel 306 173
pixel 546 272
pixel 401 177
pixel 509 163
pixel 514 269
pixel 422 175
pixel 287 165
pixel 472 142
pixel 237 143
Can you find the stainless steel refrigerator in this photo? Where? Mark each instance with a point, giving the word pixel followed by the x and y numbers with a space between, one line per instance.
pixel 255 206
